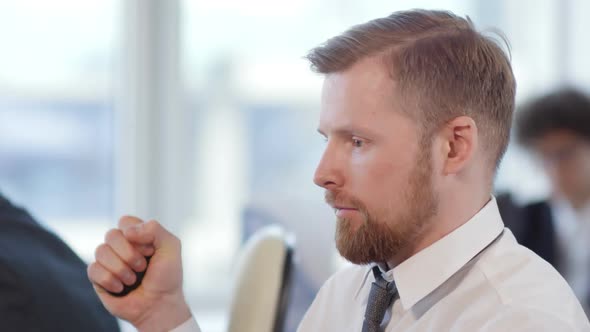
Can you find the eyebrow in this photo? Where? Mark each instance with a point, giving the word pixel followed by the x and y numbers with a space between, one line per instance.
pixel 346 131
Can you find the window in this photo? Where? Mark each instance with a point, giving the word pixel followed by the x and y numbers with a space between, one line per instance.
pixel 56 114
pixel 256 104
pixel 191 111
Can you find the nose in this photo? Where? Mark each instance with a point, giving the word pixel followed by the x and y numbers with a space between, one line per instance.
pixel 329 172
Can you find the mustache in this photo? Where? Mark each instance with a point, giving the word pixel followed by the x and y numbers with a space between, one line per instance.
pixel 339 198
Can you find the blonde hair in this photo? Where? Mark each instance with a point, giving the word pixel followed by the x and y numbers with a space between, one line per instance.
pixel 440 63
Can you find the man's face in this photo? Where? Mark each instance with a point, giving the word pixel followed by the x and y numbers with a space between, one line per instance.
pixel 566 158
pixel 376 168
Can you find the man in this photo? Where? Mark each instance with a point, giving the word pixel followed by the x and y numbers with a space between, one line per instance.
pixel 416 112
pixel 556 128
pixel 43 286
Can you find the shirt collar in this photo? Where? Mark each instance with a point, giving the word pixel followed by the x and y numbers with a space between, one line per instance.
pixel 422 273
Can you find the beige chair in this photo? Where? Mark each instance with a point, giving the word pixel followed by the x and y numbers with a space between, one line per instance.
pixel 262 282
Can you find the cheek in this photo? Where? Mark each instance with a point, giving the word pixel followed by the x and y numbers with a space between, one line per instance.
pixel 562 174
pixel 380 178
pixel 585 164
pixel 580 176
pixel 566 177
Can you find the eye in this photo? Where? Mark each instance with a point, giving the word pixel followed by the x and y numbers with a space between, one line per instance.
pixel 357 143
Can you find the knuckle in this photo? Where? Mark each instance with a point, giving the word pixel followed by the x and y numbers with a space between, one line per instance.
pixel 129 257
pixel 177 242
pixel 99 276
pixel 101 251
pixel 106 279
pixel 146 250
pixel 127 260
pixel 153 225
pixel 91 271
pixel 121 271
pixel 112 235
pixel 128 220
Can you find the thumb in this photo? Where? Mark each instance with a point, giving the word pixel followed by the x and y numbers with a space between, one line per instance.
pixel 151 233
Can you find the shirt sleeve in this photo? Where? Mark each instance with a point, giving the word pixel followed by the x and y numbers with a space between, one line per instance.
pixel 188 326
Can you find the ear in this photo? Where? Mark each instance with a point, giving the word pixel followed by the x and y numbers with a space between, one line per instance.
pixel 460 139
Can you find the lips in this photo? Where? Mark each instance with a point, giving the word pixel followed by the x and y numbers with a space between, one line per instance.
pixel 342 204
pixel 342 212
pixel 337 208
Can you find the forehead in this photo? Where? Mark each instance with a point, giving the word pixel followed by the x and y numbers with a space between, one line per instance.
pixel 363 96
pixel 557 139
pixel 366 82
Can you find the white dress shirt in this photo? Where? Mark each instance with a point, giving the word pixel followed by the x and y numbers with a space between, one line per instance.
pixel 459 283
pixel 477 278
pixel 572 229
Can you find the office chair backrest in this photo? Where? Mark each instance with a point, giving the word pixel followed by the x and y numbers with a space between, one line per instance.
pixel 262 282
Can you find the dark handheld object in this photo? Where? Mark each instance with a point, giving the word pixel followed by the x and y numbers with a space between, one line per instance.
pixel 139 277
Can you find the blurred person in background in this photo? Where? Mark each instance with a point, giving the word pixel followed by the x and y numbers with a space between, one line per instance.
pixel 43 283
pixel 416 112
pixel 556 129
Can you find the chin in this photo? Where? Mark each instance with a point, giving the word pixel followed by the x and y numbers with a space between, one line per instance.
pixel 352 224
pixel 356 259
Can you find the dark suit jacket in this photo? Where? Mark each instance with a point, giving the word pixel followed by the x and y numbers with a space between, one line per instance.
pixel 532 225
pixel 43 283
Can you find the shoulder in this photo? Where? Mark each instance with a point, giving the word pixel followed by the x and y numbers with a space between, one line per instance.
pixel 17 225
pixel 13 293
pixel 524 318
pixel 522 280
pixel 507 263
pixel 23 239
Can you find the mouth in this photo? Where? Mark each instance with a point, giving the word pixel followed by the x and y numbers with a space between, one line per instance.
pixel 338 208
pixel 342 211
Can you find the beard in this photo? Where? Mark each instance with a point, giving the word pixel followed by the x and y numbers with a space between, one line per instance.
pixel 385 234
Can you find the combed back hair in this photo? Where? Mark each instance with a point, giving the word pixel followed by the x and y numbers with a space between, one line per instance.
pixel 564 109
pixel 442 68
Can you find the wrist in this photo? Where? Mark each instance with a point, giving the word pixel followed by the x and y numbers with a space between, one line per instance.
pixel 168 313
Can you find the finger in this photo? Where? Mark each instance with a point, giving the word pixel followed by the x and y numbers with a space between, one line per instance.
pixel 104 279
pixel 145 250
pixel 125 250
pixel 152 233
pixel 129 221
pixel 106 256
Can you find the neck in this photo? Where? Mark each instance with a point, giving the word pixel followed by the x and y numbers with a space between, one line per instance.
pixel 450 216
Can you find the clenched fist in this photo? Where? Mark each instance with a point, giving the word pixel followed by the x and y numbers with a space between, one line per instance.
pixel 158 303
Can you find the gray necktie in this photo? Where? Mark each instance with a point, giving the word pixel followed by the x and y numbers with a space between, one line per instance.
pixel 380 298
